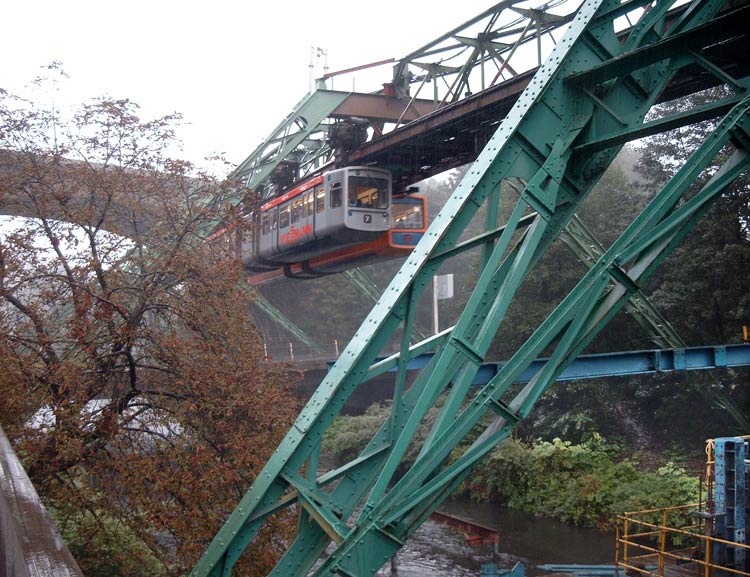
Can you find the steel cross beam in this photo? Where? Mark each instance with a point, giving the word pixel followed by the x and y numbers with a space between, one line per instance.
pixel 354 518
pixel 605 365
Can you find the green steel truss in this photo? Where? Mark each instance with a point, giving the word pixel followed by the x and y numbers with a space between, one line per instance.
pixel 261 302
pixel 496 45
pixel 508 39
pixel 301 138
pixel 582 242
pixel 589 98
pixel 359 279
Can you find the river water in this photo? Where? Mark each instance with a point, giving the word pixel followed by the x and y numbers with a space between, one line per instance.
pixel 436 550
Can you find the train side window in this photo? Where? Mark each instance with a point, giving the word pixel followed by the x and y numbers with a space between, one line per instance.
pixel 274 218
pixel 309 200
pixel 296 210
pixel 266 225
pixel 335 195
pixel 320 199
pixel 284 216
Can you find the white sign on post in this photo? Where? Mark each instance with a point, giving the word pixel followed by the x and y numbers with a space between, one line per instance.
pixel 445 286
pixel 442 288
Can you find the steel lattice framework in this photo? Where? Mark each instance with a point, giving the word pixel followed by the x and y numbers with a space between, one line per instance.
pixel 588 99
pixel 506 40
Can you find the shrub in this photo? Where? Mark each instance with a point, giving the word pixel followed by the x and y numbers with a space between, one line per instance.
pixel 585 484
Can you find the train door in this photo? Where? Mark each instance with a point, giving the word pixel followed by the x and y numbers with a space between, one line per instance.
pixel 335 211
pixel 329 205
pixel 248 236
pixel 284 236
pixel 320 208
pixel 265 243
pixel 274 236
pixel 308 212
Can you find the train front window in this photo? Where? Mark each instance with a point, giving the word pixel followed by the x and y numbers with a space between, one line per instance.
pixel 408 215
pixel 368 192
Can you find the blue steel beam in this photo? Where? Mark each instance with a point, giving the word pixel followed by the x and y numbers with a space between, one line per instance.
pixel 605 365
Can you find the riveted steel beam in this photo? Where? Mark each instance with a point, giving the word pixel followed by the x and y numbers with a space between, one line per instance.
pixel 383 108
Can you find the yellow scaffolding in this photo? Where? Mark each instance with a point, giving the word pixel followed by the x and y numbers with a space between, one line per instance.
pixel 675 541
pixel 662 550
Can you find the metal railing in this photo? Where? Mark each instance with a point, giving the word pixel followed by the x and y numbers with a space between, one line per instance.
pixel 671 539
pixel 30 544
pixel 287 350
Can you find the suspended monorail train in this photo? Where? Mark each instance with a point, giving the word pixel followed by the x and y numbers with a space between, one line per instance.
pixel 341 218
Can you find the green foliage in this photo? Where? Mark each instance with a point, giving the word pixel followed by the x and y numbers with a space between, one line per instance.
pixel 585 484
pixel 348 435
pixel 91 538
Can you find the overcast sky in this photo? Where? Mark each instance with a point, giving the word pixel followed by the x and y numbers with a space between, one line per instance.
pixel 234 70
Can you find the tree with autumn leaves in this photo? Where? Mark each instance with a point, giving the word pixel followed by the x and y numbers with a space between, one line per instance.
pixel 133 384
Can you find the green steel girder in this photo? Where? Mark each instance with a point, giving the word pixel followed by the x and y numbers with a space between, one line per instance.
pixel 495 37
pixel 292 140
pixel 697 114
pixel 588 249
pixel 537 144
pixel 302 138
pixel 360 280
